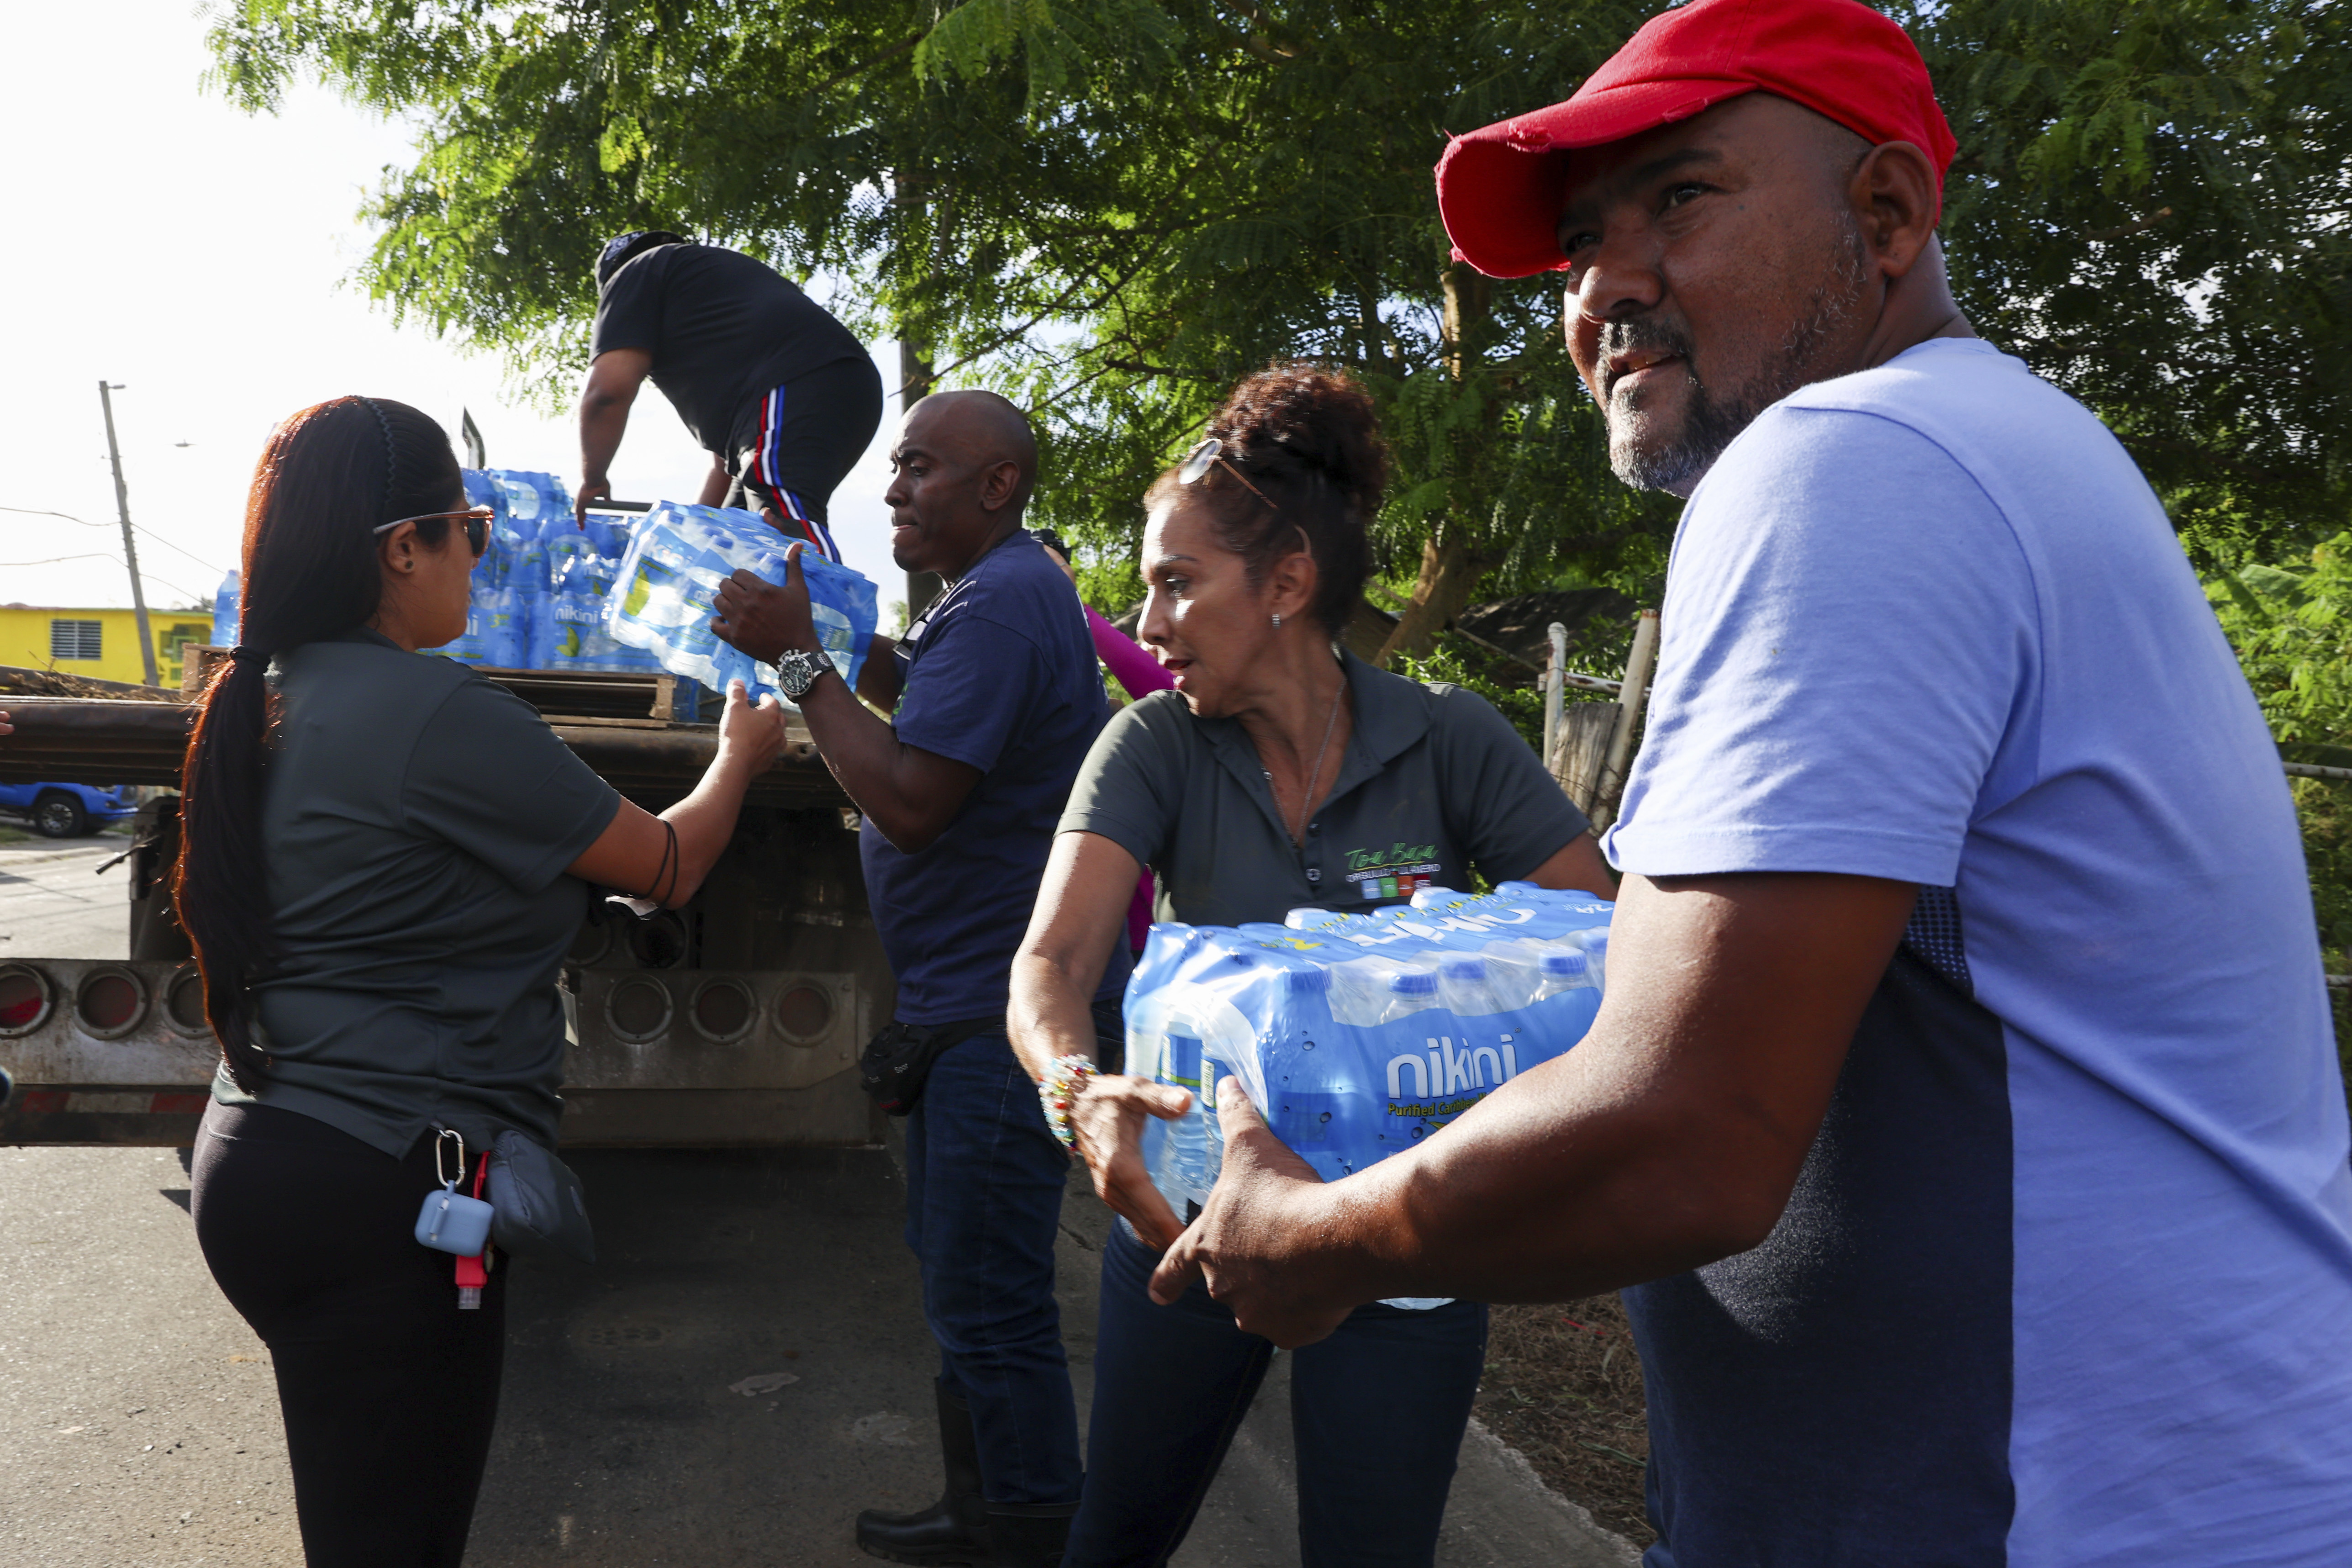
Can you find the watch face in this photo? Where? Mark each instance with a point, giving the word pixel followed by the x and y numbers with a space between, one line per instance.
pixel 796 671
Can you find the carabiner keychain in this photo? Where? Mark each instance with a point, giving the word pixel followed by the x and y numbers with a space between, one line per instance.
pixel 450 1221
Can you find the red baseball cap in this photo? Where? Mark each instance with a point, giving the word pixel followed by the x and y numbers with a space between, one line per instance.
pixel 1500 189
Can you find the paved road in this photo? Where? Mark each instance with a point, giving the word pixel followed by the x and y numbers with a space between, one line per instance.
pixel 139 1424
pixel 53 906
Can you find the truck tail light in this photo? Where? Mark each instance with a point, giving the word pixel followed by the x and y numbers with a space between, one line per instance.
pixel 637 1009
pixel 722 1011
pixel 803 1013
pixel 24 999
pixel 110 1003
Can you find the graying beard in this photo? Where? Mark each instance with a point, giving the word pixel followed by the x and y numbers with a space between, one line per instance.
pixel 1711 425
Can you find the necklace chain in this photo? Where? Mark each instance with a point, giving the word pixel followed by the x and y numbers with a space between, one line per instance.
pixel 1306 801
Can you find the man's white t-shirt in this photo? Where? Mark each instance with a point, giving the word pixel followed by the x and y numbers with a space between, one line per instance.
pixel 2067 1278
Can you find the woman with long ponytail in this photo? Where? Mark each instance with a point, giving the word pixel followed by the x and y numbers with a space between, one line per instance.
pixel 383 858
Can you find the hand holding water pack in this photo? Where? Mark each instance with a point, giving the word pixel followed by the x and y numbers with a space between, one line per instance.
pixel 664 598
pixel 1358 1036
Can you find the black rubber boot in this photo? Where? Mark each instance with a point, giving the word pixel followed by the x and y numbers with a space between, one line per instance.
pixel 954 1532
pixel 1028 1535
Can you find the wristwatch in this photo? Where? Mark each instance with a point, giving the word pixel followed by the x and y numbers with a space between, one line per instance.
pixel 797 670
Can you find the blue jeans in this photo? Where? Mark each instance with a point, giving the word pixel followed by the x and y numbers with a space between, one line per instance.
pixel 1377 1411
pixel 984 1182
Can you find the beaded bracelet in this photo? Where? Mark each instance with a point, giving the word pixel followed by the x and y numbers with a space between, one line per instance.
pixel 1062 1083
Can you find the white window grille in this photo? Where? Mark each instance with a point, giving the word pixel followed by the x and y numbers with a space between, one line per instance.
pixel 77 639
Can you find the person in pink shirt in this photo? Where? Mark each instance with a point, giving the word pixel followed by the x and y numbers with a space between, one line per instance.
pixel 1135 669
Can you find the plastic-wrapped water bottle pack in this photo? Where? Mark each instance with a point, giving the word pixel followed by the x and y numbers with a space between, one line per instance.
pixel 1359 1035
pixel 662 598
pixel 508 607
pixel 551 593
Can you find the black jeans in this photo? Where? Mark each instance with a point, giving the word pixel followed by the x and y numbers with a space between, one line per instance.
pixel 1377 1411
pixel 388 1390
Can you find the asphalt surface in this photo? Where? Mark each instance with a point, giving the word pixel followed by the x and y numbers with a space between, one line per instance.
pixel 55 903
pixel 138 1421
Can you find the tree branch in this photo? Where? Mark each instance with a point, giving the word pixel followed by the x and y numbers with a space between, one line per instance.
pixel 904 45
pixel 2137 226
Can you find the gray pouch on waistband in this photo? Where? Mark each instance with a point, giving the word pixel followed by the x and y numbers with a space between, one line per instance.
pixel 540 1209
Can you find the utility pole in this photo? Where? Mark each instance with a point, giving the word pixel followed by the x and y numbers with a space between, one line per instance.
pixel 130 549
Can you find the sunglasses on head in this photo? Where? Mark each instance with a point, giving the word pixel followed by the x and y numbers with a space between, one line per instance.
pixel 477 521
pixel 1195 467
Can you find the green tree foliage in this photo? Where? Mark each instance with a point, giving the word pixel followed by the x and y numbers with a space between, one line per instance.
pixel 1110 208
pixel 1113 208
pixel 2150 204
pixel 2288 624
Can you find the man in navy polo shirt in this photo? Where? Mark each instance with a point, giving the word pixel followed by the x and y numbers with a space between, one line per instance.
pixel 1964 1107
pixel 994 699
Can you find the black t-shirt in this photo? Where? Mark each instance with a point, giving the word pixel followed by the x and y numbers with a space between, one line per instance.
pixel 416 826
pixel 724 330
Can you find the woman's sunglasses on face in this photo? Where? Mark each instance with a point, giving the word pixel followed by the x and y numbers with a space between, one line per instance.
pixel 477 521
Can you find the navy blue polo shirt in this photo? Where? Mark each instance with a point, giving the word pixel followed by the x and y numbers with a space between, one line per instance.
pixel 999 675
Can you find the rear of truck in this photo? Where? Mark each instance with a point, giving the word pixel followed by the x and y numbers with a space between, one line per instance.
pixel 735 1021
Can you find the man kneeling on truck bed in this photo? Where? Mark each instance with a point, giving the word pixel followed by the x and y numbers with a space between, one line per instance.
pixel 995 700
pixel 782 397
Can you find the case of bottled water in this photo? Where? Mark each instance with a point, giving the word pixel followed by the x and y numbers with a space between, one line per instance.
pixel 661 600
pixel 1359 1035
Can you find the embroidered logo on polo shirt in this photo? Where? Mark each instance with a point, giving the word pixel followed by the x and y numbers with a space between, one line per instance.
pixel 1395 871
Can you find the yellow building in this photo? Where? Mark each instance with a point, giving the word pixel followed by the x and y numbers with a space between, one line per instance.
pixel 103 644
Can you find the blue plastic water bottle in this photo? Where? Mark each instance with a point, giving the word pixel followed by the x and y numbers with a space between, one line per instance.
pixel 225 613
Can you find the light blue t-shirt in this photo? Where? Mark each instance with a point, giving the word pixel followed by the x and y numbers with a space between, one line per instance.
pixel 2067 1278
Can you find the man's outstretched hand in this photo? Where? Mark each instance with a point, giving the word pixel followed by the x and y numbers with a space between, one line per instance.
pixel 590 491
pixel 1265 1241
pixel 763 619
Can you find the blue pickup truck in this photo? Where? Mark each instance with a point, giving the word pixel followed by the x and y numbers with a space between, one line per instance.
pixel 66 810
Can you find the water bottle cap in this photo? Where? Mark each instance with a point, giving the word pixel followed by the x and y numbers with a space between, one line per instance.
pixel 1307 979
pixel 1413 982
pixel 1465 968
pixel 1564 965
pixel 1596 943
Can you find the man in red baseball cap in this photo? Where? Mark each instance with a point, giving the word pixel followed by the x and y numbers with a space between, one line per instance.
pixel 1963 1111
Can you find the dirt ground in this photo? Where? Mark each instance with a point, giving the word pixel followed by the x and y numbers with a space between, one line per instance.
pixel 1563 1387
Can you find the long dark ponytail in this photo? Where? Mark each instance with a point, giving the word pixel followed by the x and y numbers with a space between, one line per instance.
pixel 328 475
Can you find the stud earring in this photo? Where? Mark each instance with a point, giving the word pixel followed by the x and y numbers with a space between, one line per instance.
pixel 1277 620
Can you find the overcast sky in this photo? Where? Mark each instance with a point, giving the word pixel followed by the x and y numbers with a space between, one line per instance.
pixel 161 239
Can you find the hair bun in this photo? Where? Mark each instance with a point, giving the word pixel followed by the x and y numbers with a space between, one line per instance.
pixel 1320 418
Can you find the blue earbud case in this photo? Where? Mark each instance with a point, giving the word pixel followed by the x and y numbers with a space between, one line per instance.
pixel 453 1223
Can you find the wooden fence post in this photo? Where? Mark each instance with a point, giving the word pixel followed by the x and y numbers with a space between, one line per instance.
pixel 1581 752
pixel 1639 664
pixel 1553 686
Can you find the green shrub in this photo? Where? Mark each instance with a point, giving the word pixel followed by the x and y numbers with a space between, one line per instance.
pixel 2288 624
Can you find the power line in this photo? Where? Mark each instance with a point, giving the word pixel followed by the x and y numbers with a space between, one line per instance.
pixel 195 600
pixel 143 528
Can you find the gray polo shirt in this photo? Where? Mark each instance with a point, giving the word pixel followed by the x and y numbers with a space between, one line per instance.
pixel 1435 783
pixel 415 828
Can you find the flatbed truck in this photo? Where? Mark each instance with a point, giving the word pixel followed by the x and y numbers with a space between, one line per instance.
pixel 735 1021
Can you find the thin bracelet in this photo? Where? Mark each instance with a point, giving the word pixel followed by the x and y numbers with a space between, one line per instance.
pixel 669 861
pixel 1059 1090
